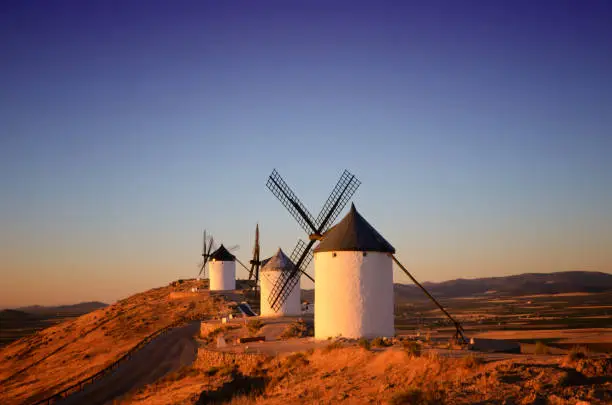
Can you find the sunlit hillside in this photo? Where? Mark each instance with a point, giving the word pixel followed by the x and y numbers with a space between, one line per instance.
pixel 49 360
pixel 357 375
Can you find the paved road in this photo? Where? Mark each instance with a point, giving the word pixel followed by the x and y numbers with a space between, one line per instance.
pixel 167 353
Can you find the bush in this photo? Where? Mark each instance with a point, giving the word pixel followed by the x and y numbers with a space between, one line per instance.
pixel 296 360
pixel 541 348
pixel 577 353
pixel 380 342
pixel 570 378
pixel 471 361
pixel 417 396
pixel 332 346
pixel 297 329
pixel 412 348
pixel 254 326
pixel 364 343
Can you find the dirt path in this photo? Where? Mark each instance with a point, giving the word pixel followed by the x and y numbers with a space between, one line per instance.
pixel 165 354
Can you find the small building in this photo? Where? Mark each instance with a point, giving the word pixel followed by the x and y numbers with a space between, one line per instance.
pixel 269 274
pixel 353 281
pixel 222 270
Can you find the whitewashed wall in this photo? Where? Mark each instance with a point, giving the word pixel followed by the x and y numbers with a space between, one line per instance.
pixel 292 305
pixel 222 275
pixel 353 295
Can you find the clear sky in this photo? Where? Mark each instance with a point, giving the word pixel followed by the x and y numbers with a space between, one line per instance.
pixel 481 130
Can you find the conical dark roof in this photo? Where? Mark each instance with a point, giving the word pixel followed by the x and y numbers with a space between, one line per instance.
pixel 354 233
pixel 223 255
pixel 278 262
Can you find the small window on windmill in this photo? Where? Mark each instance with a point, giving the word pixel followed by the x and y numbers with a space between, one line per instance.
pixel 334 254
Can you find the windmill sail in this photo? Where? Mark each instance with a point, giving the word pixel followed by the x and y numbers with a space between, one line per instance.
pixel 340 195
pixel 206 250
pixel 255 262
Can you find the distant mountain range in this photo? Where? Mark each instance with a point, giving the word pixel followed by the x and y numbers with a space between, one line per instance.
pixel 38 312
pixel 80 308
pixel 14 315
pixel 522 284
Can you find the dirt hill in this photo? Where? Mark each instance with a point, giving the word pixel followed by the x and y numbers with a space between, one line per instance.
pixel 53 358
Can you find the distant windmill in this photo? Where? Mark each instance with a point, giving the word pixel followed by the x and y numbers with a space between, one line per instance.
pixel 222 269
pixel 208 245
pixel 270 273
pixel 255 262
pixel 302 253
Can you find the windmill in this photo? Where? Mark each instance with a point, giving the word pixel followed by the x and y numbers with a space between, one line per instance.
pixel 255 262
pixel 353 253
pixel 208 247
pixel 352 237
pixel 302 253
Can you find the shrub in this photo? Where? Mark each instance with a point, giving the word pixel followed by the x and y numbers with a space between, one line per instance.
pixel 471 361
pixel 417 396
pixel 541 348
pixel 577 353
pixel 364 343
pixel 296 359
pixel 254 326
pixel 298 329
pixel 332 346
pixel 570 377
pixel 412 348
pixel 380 342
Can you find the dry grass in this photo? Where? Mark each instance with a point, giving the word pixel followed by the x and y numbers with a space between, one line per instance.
pixel 412 348
pixel 297 329
pixel 352 375
pixel 380 342
pixel 253 326
pixel 364 343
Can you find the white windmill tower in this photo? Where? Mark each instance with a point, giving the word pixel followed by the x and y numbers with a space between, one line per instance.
pixel 222 270
pixel 270 273
pixel 353 281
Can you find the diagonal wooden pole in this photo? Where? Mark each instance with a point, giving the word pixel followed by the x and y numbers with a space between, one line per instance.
pixel 459 329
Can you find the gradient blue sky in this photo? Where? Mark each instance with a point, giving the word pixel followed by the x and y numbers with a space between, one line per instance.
pixel 481 131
